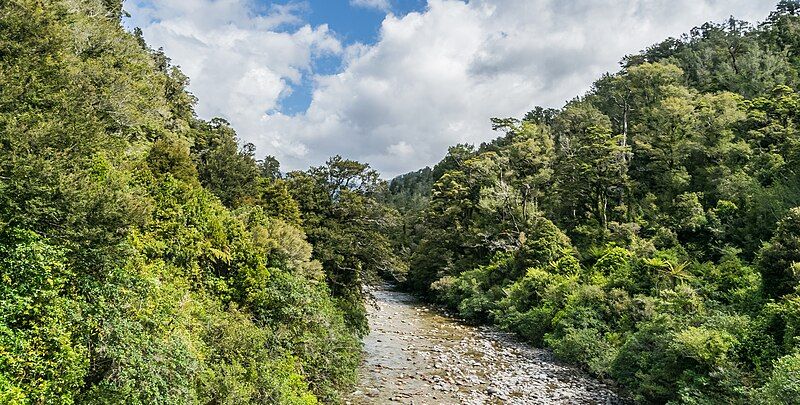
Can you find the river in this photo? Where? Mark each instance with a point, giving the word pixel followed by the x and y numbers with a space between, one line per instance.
pixel 416 355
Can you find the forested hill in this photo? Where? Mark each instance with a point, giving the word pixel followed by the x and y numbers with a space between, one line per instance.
pixel 145 256
pixel 649 230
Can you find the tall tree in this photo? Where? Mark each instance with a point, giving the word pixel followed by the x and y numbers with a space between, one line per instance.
pixel 348 227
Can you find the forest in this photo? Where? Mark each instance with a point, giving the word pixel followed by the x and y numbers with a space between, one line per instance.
pixel 146 255
pixel 648 231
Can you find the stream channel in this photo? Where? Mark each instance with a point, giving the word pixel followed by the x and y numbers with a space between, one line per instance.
pixel 414 354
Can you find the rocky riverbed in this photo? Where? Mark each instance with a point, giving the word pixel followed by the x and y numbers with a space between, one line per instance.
pixel 416 355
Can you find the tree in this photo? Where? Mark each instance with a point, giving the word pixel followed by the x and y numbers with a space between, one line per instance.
pixel 124 280
pixel 270 167
pixel 530 160
pixel 667 176
pixel 781 30
pixel 348 228
pixel 778 260
pixel 591 170
pixel 225 169
pixel 662 146
pixel 624 97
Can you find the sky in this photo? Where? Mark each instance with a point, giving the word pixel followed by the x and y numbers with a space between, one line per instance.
pixel 395 82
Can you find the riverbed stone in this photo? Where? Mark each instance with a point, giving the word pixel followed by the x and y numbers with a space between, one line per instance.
pixel 425 357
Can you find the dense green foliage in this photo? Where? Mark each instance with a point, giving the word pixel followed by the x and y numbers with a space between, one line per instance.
pixel 648 231
pixel 349 228
pixel 145 256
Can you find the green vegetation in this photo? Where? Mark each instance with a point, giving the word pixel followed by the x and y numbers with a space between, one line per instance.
pixel 648 231
pixel 145 256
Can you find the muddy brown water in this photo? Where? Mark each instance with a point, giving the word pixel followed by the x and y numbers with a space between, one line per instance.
pixel 416 355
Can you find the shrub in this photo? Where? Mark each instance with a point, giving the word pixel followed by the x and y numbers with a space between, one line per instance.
pixel 42 360
pixel 783 385
pixel 776 257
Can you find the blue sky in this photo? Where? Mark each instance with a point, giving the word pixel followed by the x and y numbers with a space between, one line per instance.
pixel 395 82
pixel 352 23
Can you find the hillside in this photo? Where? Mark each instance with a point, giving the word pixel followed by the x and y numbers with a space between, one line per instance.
pixel 648 230
pixel 148 257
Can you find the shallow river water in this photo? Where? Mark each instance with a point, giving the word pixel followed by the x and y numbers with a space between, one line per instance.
pixel 415 355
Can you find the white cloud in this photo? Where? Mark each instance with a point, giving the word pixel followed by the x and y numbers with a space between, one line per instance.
pixel 241 59
pixel 436 77
pixel 433 79
pixel 382 5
